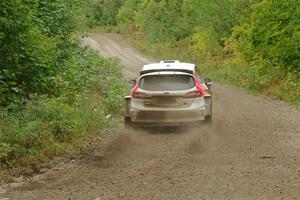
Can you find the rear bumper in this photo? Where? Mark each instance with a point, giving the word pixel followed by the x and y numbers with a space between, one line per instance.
pixel 166 117
pixel 139 113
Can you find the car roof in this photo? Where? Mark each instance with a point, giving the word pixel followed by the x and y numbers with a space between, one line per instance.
pixel 169 65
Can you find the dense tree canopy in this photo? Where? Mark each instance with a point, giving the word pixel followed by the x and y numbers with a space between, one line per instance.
pixel 103 12
pixel 34 44
pixel 265 32
pixel 35 35
pixel 272 34
pixel 250 43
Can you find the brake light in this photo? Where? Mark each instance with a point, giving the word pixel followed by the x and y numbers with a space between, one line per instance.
pixel 193 94
pixel 138 95
pixel 200 90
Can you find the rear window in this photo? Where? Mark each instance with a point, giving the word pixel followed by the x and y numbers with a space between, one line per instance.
pixel 167 82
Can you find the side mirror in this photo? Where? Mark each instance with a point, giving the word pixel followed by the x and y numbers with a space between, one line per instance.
pixel 207 81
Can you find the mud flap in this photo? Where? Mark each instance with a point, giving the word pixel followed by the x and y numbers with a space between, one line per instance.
pixel 128 123
pixel 127 105
pixel 208 105
pixel 127 117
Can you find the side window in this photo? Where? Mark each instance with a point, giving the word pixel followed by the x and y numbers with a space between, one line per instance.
pixel 141 82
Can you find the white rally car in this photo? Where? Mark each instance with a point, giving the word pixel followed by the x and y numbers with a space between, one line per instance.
pixel 169 93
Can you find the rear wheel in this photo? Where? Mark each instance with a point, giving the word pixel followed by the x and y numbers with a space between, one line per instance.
pixel 128 123
pixel 208 120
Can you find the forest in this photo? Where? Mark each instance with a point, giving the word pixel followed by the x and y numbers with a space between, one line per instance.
pixel 252 44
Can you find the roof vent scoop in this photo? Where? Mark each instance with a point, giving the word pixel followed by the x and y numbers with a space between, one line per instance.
pixel 169 61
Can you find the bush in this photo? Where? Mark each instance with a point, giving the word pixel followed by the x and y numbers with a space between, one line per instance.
pixel 48 126
pixel 103 12
pixel 272 35
pixel 35 42
pixel 127 11
pixel 250 44
pixel 53 91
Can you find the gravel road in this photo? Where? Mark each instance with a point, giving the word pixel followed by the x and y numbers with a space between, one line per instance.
pixel 251 152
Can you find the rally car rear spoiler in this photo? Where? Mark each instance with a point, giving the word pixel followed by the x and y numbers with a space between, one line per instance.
pixel 168 70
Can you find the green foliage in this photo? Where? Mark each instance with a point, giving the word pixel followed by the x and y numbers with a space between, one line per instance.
pixel 58 18
pixel 53 91
pixel 34 43
pixel 25 52
pixel 47 127
pixel 173 20
pixel 204 44
pixel 272 35
pixel 126 12
pixel 5 151
pixel 103 12
pixel 160 20
pixel 251 44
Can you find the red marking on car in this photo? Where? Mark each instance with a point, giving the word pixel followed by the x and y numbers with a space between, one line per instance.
pixel 138 95
pixel 199 86
pixel 135 89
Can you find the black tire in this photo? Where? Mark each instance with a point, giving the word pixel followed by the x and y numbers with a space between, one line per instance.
pixel 208 120
pixel 128 123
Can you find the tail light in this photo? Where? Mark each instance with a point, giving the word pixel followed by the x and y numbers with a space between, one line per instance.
pixel 193 94
pixel 139 95
pixel 199 90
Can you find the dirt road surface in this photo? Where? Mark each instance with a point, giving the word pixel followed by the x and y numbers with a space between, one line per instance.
pixel 251 152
